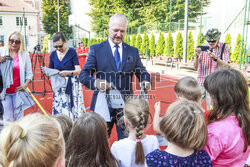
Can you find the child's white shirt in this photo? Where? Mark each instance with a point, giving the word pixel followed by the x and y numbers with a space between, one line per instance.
pixel 124 150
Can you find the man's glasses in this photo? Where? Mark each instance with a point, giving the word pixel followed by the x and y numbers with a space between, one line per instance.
pixel 12 41
pixel 211 41
pixel 58 46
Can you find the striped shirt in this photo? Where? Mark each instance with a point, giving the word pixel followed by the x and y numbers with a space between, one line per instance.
pixel 207 65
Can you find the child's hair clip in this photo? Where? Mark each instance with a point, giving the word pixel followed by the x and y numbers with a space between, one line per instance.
pixel 197 111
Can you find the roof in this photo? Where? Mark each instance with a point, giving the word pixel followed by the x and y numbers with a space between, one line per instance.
pixel 16 6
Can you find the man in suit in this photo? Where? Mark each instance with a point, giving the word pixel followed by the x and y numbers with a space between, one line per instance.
pixel 114 61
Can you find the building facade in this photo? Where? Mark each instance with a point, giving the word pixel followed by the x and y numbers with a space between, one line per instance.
pixel 18 15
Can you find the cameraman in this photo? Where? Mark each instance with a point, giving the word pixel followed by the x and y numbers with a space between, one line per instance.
pixel 37 48
pixel 208 61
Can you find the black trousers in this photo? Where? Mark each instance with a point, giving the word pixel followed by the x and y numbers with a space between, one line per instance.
pixel 116 116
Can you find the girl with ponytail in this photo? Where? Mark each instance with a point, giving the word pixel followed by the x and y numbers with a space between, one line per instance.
pixel 131 151
pixel 33 141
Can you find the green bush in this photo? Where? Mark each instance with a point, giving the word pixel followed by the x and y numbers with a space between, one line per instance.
pixel 98 40
pixel 202 40
pixel 85 41
pixel 126 39
pixel 46 44
pixel 236 54
pixel 93 41
pixel 138 42
pixel 160 44
pixel 169 49
pixel 133 40
pixel 228 40
pixel 190 46
pixel 179 45
pixel 145 43
pixel 152 45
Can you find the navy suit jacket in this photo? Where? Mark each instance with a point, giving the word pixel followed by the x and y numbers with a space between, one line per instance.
pixel 101 62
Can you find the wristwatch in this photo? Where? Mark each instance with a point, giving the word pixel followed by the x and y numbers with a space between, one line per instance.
pixel 215 59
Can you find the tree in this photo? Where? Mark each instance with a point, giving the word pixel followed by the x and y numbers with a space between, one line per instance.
pixel 49 8
pixel 133 40
pixel 179 45
pixel 126 39
pixel 201 40
pixel 140 13
pixel 160 44
pixel 152 45
pixel 138 42
pixel 46 43
pixel 169 48
pixel 236 54
pixel 145 43
pixel 190 45
pixel 228 41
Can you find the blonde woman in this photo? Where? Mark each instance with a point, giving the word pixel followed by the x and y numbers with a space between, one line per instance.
pixel 20 70
pixel 35 140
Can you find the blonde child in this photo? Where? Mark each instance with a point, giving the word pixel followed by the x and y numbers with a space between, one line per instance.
pixel 131 151
pixel 184 126
pixel 186 88
pixel 34 140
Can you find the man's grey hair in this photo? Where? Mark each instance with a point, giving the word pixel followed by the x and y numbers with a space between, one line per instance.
pixel 118 16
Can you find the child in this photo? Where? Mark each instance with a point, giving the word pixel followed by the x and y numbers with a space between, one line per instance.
pixel 35 140
pixel 247 73
pixel 184 126
pixel 229 121
pixel 131 151
pixel 88 143
pixel 187 88
pixel 66 125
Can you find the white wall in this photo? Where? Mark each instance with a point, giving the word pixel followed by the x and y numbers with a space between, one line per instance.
pixel 9 26
pixel 79 9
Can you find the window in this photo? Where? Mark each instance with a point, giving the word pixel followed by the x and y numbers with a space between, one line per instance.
pixel 19 21
pixel 2 38
pixel 1 20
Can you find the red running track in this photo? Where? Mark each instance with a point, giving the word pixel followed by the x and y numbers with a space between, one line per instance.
pixel 162 90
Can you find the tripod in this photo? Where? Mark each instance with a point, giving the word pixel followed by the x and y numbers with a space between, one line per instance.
pixel 37 57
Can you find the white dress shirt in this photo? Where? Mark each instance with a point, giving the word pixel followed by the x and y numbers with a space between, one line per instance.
pixel 112 45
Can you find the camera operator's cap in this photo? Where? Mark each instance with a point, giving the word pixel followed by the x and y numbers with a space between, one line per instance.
pixel 212 34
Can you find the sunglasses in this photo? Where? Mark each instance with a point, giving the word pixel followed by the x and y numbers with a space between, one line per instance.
pixel 58 46
pixel 211 41
pixel 12 41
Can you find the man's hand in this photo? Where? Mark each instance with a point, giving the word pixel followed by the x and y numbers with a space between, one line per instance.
pixel 102 85
pixel 197 51
pixel 211 54
pixel 147 85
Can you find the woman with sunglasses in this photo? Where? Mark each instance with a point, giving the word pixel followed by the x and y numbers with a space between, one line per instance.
pixel 21 74
pixel 69 100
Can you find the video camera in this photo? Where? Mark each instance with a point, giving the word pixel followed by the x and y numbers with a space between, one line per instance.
pixel 37 48
pixel 205 48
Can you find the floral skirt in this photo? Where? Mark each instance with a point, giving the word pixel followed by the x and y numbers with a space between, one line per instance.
pixel 62 102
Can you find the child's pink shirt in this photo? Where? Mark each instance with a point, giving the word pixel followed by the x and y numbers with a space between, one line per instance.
pixel 226 143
